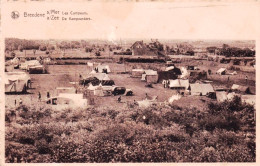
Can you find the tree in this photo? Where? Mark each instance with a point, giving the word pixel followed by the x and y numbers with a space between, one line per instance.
pixel 43 48
pixel 20 48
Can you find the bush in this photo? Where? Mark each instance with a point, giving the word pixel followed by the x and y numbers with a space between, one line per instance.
pixel 223 133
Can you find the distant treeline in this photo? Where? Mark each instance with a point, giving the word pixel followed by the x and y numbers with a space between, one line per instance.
pixel 228 51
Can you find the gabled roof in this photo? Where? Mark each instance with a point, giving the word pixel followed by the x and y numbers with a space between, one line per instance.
pixel 141 43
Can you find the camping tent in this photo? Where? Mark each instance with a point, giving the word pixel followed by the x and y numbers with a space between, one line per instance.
pixel 222 71
pixel 100 76
pixel 137 72
pixel 150 76
pixel 179 84
pixel 240 88
pixel 201 89
pixel 169 68
pixel 107 82
pixel 73 100
pixel 27 64
pixel 103 69
pixel 16 81
pixel 221 96
pixel 249 99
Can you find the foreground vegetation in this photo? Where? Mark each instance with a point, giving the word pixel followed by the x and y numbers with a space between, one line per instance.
pixel 225 132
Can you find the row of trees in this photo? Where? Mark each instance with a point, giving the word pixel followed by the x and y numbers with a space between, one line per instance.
pixel 228 51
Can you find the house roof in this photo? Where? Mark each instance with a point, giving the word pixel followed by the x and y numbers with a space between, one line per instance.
pixel 141 43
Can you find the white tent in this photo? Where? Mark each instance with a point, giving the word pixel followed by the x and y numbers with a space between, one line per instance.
pixel 100 76
pixel 27 64
pixel 249 99
pixel 16 81
pixel 179 83
pixel 101 68
pixel 137 72
pixel 150 76
pixel 72 100
pixel 169 68
pixel 201 89
pixel 222 71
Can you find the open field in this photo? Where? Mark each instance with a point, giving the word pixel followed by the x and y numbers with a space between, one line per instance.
pixel 191 129
pixel 62 75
